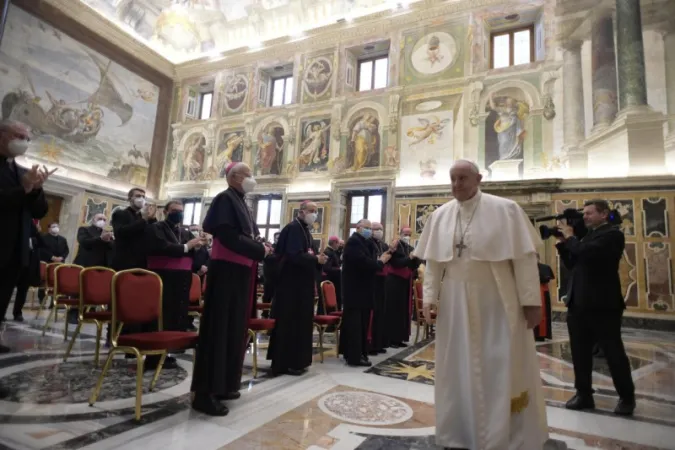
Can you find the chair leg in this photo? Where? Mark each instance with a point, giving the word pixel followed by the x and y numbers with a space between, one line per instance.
pixel 99 383
pixel 72 342
pixel 99 331
pixel 52 314
pixel 321 342
pixel 139 386
pixel 417 332
pixel 65 328
pixel 41 306
pixel 157 371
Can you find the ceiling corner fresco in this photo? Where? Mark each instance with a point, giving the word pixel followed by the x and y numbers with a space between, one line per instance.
pixel 183 30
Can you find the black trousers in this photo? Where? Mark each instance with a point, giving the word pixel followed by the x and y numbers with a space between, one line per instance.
pixel 354 336
pixel 586 328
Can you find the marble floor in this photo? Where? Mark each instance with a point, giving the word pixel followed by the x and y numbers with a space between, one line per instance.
pixel 388 406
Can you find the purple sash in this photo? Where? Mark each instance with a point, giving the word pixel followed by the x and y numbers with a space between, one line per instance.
pixel 222 253
pixel 169 263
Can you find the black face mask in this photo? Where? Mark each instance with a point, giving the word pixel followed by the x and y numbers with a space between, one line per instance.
pixel 175 217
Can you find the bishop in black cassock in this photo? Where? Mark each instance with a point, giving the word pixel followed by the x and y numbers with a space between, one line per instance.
pixel 402 268
pixel 230 290
pixel 377 336
pixel 293 308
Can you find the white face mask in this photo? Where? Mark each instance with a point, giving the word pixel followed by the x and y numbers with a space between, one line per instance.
pixel 377 234
pixel 17 147
pixel 310 218
pixel 195 233
pixel 54 230
pixel 248 184
pixel 139 202
pixel 406 239
pixel 100 223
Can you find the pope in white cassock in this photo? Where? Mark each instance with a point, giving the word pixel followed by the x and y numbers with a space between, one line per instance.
pixel 481 265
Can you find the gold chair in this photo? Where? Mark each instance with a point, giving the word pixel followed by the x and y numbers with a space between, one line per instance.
pixel 48 285
pixel 418 302
pixel 66 293
pixel 321 322
pixel 137 299
pixel 95 292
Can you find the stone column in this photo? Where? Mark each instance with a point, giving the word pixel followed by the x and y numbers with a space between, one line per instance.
pixel 4 10
pixel 669 49
pixel 603 66
pixel 631 55
pixel 574 123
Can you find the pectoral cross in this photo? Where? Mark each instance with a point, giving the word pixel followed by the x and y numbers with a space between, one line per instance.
pixel 460 247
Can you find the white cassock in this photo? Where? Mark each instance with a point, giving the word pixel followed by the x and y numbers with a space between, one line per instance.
pixel 488 389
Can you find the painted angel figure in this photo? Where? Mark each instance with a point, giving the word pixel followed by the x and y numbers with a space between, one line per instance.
pixel 312 146
pixel 431 129
pixel 510 126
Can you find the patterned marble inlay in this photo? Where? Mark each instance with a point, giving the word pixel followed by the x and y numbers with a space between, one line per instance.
pixel 654 217
pixel 73 382
pixel 365 408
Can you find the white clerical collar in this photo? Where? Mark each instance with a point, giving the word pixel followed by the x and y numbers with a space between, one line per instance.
pixel 472 201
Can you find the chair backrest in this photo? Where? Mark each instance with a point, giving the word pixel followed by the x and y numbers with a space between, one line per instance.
pixel 96 286
pixel 137 297
pixel 419 296
pixel 43 272
pixel 329 296
pixel 195 289
pixel 67 280
pixel 49 270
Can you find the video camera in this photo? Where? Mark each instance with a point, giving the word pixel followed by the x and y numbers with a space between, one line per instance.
pixel 574 218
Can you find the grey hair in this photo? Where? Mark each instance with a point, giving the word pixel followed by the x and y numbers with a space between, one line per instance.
pixel 472 164
pixel 360 222
pixel 235 170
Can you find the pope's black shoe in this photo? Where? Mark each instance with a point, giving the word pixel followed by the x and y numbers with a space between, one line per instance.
pixel 580 402
pixel 209 405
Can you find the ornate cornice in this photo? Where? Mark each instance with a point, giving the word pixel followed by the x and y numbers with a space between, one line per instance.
pixel 109 31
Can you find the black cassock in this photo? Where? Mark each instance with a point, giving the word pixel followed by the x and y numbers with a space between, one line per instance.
pixel 293 307
pixel 543 330
pixel 230 289
pixel 92 250
pixel 359 270
pixel 398 288
pixel 333 273
pixel 53 246
pixel 166 257
pixel 377 336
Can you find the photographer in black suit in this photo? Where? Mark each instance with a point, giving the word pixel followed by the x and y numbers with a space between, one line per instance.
pixel 595 305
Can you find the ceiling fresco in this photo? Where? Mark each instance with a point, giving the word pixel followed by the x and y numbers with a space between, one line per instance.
pixel 182 30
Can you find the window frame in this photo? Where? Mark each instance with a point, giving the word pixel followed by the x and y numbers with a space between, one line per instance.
pixel 201 104
pixel 195 201
pixel 273 81
pixel 511 32
pixel 372 59
pixel 366 194
pixel 267 225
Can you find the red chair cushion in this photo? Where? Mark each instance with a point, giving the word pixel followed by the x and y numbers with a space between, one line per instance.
pixel 196 308
pixel 335 313
pixel 263 305
pixel 159 340
pixel 68 301
pixel 260 324
pixel 326 320
pixel 98 315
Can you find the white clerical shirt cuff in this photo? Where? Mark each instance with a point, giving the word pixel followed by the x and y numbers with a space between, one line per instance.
pixel 185 248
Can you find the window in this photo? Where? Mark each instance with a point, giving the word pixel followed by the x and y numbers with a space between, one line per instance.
pixel 373 73
pixel 512 48
pixel 282 91
pixel 268 216
pixel 191 107
pixel 205 100
pixel 192 211
pixel 365 205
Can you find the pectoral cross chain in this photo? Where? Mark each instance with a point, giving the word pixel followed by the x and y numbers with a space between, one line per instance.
pixel 460 247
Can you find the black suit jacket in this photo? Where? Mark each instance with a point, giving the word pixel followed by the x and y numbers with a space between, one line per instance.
pixel 332 266
pixel 164 240
pixel 52 246
pixel 19 208
pixel 593 263
pixel 93 251
pixel 359 268
pixel 129 228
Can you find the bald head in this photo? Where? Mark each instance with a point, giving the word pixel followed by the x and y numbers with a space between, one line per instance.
pixel 465 178
pixel 14 138
pixel 237 174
